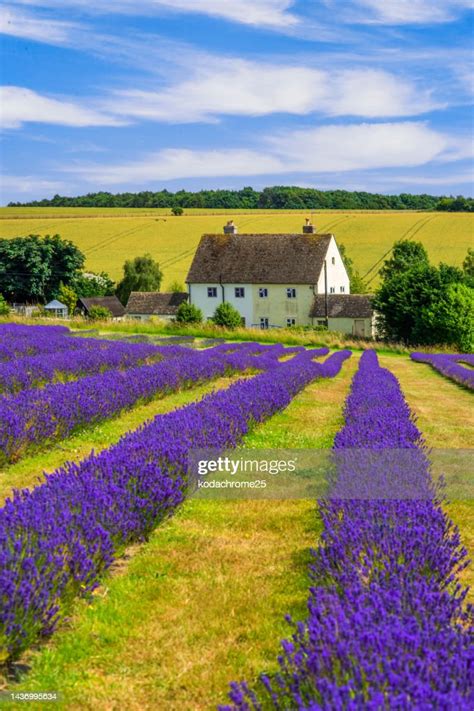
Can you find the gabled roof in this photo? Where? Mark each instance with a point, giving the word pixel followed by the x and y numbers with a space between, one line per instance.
pixel 154 303
pixel 109 302
pixel 259 259
pixel 343 306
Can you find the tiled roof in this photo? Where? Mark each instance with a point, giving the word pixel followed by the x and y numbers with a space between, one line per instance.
pixel 259 258
pixel 343 306
pixel 154 303
pixel 109 302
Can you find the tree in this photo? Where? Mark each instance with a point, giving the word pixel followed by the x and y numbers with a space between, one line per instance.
pixel 68 297
pixel 227 316
pixel 188 313
pixel 99 313
pixel 4 308
pixel 405 254
pixel 357 284
pixel 468 267
pixel 91 284
pixel 32 267
pixel 451 318
pixel 176 287
pixel 139 274
pixel 177 210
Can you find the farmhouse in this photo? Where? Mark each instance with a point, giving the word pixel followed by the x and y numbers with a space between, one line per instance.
pixel 84 305
pixel 274 280
pixel 142 305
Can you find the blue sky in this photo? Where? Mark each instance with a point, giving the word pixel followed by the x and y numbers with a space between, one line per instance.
pixel 118 95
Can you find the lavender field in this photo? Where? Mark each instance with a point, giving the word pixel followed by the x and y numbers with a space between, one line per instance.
pixel 120 588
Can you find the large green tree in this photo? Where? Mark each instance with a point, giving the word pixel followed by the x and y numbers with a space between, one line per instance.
pixel 405 254
pixel 91 284
pixel 139 274
pixel 32 267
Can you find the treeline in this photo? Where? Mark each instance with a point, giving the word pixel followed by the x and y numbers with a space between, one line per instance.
pixel 275 198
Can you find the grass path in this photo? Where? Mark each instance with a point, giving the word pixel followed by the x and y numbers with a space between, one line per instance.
pixel 29 471
pixel 444 415
pixel 203 602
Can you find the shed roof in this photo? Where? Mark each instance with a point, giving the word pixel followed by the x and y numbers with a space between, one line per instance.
pixel 155 303
pixel 109 302
pixel 259 258
pixel 55 304
pixel 343 306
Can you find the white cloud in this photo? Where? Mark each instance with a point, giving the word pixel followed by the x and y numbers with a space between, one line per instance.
pixel 328 149
pixel 19 105
pixel 27 185
pixel 264 13
pixel 18 23
pixel 361 146
pixel 220 86
pixel 401 12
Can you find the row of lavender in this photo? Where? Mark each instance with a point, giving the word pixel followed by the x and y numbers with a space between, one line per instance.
pixel 17 340
pixel 36 417
pixel 57 540
pixel 450 365
pixel 387 626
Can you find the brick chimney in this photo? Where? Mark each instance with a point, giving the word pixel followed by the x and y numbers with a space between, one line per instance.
pixel 308 227
pixel 230 228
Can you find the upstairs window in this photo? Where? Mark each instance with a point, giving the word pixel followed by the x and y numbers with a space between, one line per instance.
pixel 343 289
pixel 333 260
pixel 212 292
pixel 332 289
pixel 291 293
pixel 263 292
pixel 239 292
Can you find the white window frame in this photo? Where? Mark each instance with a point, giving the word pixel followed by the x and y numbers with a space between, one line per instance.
pixel 264 322
pixel 291 292
pixel 212 292
pixel 343 289
pixel 239 292
pixel 333 260
pixel 263 292
pixel 332 289
pixel 290 322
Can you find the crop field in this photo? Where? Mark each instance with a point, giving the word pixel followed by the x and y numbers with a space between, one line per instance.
pixel 121 587
pixel 110 236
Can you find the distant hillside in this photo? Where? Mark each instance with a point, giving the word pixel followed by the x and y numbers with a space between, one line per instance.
pixel 275 198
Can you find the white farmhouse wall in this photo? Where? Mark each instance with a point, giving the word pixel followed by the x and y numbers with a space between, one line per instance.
pixel 348 325
pixel 199 297
pixel 336 273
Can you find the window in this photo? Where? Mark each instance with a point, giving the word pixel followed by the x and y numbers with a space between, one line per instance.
pixel 333 260
pixel 321 323
pixel 332 289
pixel 239 292
pixel 343 288
pixel 263 292
pixel 212 292
pixel 264 322
pixel 290 322
pixel 291 293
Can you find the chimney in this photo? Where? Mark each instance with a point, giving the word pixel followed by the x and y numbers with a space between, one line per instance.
pixel 230 228
pixel 308 228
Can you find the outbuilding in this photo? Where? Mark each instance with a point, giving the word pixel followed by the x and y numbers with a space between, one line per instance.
pixel 347 313
pixel 56 309
pixel 85 304
pixel 142 305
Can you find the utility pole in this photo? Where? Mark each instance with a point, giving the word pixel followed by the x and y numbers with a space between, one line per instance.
pixel 326 306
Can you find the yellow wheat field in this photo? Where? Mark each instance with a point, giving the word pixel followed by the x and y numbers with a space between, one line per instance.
pixel 109 236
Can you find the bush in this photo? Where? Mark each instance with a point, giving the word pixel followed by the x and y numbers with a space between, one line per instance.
pixel 177 211
pixel 99 313
pixel 4 308
pixel 188 313
pixel 227 316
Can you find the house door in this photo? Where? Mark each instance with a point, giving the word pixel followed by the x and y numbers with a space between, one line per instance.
pixel 359 327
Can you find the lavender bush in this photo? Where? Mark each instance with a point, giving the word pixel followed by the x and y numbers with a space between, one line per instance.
pixel 450 366
pixel 57 540
pixel 387 626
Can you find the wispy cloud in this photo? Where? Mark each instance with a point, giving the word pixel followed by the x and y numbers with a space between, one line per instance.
pixel 27 185
pixel 328 149
pixel 219 86
pixel 403 12
pixel 19 23
pixel 19 105
pixel 262 13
